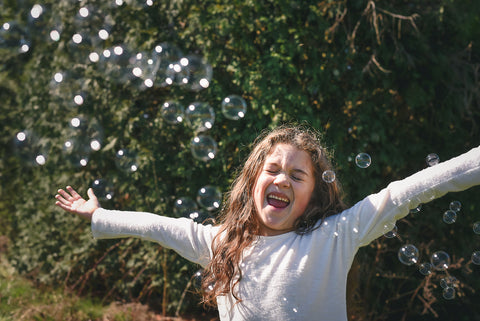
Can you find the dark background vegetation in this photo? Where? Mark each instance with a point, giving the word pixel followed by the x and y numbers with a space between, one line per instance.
pixel 396 79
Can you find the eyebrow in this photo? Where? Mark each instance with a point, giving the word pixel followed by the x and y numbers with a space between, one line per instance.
pixel 301 171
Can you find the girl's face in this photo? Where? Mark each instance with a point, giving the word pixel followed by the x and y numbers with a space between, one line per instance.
pixel 283 188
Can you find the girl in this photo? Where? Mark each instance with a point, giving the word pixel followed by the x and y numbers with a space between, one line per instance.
pixel 285 241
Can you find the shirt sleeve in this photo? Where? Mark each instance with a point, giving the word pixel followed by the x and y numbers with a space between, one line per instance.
pixel 186 237
pixel 374 215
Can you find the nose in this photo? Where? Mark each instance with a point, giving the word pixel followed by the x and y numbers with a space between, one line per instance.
pixel 282 180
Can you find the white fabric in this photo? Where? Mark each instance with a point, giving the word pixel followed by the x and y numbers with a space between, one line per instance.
pixel 291 276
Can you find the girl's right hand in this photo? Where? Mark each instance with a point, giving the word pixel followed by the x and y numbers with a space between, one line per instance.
pixel 72 202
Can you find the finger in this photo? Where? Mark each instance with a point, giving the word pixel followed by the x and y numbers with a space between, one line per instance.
pixel 63 206
pixel 65 195
pixel 73 192
pixel 62 200
pixel 91 194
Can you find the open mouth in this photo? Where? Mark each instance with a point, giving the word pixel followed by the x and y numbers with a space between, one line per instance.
pixel 277 201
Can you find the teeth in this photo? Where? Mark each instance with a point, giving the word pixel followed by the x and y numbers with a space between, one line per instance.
pixel 286 200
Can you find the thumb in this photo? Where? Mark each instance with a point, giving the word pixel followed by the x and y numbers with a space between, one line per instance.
pixel 91 195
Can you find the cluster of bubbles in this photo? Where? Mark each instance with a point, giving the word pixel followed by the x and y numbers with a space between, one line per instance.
pixel 91 43
pixel 362 160
pixel 208 200
pixel 450 215
pixel 408 254
pixel 200 117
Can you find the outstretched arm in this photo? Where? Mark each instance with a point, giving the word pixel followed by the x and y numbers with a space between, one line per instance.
pixel 72 202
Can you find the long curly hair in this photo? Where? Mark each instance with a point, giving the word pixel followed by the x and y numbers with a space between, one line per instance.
pixel 239 223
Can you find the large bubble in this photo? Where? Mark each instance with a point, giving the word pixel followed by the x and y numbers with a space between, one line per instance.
pixel 234 107
pixel 199 72
pixel 328 176
pixel 185 206
pixel 13 39
pixel 408 254
pixel 84 135
pixel 440 260
pixel 200 116
pixel 116 63
pixel 203 147
pixel 172 111
pixel 164 55
pixel 209 197
pixel 103 189
pixel 126 160
pixel 30 148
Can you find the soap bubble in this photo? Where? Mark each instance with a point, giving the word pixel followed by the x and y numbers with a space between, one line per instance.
pixel 455 206
pixel 163 55
pixel 76 151
pixel 173 112
pixel 103 189
pixel 449 281
pixel 390 230
pixel 126 160
pixel 79 46
pixel 408 254
pixel 177 73
pixel 440 260
pixel 30 148
pixel 449 217
pixel 476 257
pixel 13 39
pixel 184 206
pixel 363 160
pixel 198 216
pixel 432 159
pixel 116 62
pixel 144 68
pixel 200 116
pixel 449 293
pixel 416 210
pixel 425 268
pixel 199 72
pixel 476 227
pixel 203 147
pixel 234 107
pixel 328 176
pixel 209 197
pixel 69 88
pixel 83 136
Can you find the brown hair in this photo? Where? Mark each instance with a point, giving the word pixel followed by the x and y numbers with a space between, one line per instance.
pixel 239 225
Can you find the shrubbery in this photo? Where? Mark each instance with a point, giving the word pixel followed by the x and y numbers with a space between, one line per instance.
pixel 394 79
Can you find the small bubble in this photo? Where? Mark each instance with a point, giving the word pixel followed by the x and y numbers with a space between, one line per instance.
pixel 440 260
pixel 184 206
pixel 408 254
pixel 449 293
pixel 390 230
pixel 328 176
pixel 363 160
pixel 449 281
pixel 416 210
pixel 476 227
pixel 455 206
pixel 476 257
pixel 449 217
pixel 432 159
pixel 425 268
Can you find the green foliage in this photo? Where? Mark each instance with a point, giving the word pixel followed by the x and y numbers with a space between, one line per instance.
pixel 395 79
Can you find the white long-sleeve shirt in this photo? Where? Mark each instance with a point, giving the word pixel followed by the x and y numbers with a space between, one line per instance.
pixel 292 276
